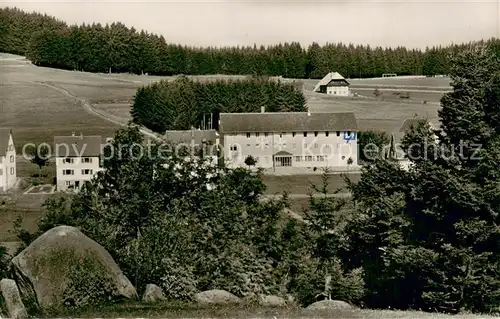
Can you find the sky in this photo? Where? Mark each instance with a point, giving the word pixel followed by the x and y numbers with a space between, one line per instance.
pixel 414 24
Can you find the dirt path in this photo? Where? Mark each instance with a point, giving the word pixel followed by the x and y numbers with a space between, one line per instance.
pixel 89 109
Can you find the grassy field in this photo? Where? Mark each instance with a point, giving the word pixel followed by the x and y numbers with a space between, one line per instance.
pixel 177 310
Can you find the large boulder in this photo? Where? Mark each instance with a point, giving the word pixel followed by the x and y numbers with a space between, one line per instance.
pixel 12 299
pixel 63 267
pixel 271 301
pixel 153 294
pixel 330 304
pixel 216 297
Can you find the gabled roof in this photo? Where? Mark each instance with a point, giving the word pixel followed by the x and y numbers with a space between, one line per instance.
pixel 327 79
pixel 286 122
pixel 283 153
pixel 4 140
pixel 413 122
pixel 188 136
pixel 76 146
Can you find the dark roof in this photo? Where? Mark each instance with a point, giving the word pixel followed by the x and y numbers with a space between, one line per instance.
pixel 286 122
pixel 76 146
pixel 338 83
pixel 4 140
pixel 188 136
pixel 283 153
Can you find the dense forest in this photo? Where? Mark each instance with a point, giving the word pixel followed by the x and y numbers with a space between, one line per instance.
pixel 180 104
pixel 117 48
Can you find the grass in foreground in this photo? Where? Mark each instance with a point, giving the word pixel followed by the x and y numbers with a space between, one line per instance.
pixel 184 310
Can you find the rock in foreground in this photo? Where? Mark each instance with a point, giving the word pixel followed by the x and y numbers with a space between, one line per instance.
pixel 330 304
pixel 271 301
pixel 12 298
pixel 216 297
pixel 153 294
pixel 64 267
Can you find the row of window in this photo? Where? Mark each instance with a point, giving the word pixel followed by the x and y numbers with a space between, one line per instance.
pixel 72 172
pixel 12 171
pixel 84 160
pixel 294 133
pixel 294 146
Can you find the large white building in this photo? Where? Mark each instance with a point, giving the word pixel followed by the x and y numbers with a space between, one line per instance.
pixel 8 170
pixel 78 159
pixel 290 139
pixel 333 84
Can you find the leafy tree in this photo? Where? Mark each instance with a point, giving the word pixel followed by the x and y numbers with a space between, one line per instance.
pixel 39 155
pixel 250 161
pixel 372 145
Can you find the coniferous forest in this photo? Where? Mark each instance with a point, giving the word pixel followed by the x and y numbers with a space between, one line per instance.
pixel 47 41
pixel 180 104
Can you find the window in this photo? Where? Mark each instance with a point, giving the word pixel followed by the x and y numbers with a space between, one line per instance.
pixel 248 135
pixel 233 148
pixel 86 160
pixel 266 134
pixel 305 134
pixel 306 145
pixel 257 134
pixel 297 158
pixel 86 172
pixel 267 145
pixel 281 135
pixel 10 148
pixel 338 133
pixel 343 157
pixel 12 171
pixel 309 158
pixel 293 134
pixel 12 158
pixel 68 161
pixel 316 145
pixel 348 133
pixel 294 145
pixel 315 133
pixel 68 183
pixel 320 158
pixel 326 133
pixel 68 172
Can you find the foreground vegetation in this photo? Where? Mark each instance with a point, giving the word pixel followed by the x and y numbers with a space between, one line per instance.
pixel 117 48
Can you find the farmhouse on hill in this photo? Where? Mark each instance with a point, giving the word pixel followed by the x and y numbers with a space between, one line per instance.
pixel 8 172
pixel 333 84
pixel 78 159
pixel 290 139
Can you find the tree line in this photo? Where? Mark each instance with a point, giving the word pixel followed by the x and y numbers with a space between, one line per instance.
pixel 115 47
pixel 184 103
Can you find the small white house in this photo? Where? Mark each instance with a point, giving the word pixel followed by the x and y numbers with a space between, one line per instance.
pixel 8 171
pixel 77 160
pixel 333 84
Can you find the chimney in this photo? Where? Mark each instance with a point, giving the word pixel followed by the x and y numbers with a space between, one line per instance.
pixel 262 109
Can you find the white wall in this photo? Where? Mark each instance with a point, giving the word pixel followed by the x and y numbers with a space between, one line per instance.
pixel 304 149
pixel 77 167
pixel 337 90
pixel 2 174
pixel 8 167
